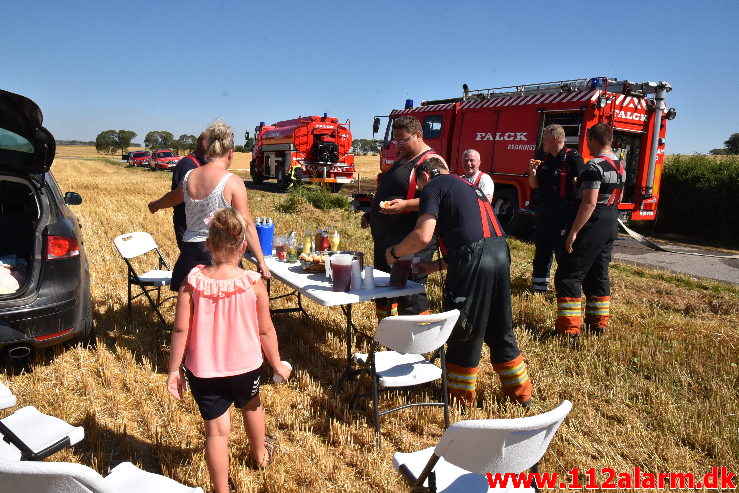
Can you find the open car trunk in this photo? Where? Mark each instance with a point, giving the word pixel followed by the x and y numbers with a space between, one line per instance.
pixel 19 221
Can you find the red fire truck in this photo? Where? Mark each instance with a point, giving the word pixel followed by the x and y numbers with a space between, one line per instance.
pixel 505 126
pixel 309 149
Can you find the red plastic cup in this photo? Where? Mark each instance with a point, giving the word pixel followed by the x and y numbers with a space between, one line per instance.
pixel 399 271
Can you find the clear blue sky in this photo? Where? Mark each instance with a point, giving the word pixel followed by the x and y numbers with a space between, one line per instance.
pixel 160 65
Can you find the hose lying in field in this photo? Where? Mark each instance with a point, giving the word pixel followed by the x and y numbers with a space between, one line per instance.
pixel 644 241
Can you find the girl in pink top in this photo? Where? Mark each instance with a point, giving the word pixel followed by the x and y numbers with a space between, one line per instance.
pixel 222 326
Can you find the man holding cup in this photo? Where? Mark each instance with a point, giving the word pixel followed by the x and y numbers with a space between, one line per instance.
pixel 476 254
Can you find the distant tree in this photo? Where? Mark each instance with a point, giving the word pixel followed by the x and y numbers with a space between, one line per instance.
pixel 107 142
pixel 184 143
pixel 718 152
pixel 732 144
pixel 158 139
pixel 124 139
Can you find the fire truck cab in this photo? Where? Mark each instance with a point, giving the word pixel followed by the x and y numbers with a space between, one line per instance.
pixel 505 126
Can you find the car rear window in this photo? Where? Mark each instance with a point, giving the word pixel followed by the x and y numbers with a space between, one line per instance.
pixel 140 154
pixel 10 141
pixel 165 154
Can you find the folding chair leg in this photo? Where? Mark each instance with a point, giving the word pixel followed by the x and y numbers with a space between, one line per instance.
pixel 375 397
pixel 444 391
pixel 129 302
pixel 153 305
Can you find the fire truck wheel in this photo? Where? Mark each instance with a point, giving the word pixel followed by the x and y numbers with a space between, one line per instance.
pixel 336 187
pixel 257 178
pixel 505 206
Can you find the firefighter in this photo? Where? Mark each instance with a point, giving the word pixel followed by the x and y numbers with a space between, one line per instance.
pixel 582 264
pixel 477 282
pixel 396 191
pixel 554 178
pixel 472 173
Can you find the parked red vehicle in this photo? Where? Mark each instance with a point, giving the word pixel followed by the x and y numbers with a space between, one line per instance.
pixel 505 126
pixel 139 158
pixel 165 159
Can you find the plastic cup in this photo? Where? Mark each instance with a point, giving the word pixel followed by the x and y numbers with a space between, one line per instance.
pixel 341 270
pixel 399 271
pixel 278 379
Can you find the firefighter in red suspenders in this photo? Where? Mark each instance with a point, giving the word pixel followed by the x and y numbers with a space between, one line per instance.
pixel 583 262
pixel 477 283
pixel 390 221
pixel 554 178
pixel 472 173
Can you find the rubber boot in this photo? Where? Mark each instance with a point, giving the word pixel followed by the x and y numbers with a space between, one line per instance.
pixel 514 380
pixel 461 383
pixel 597 313
pixel 569 316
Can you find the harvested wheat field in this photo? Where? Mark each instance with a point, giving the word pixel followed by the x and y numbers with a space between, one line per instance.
pixel 659 391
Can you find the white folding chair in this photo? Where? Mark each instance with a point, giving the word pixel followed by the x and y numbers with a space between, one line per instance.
pixel 408 337
pixel 132 245
pixel 7 398
pixel 470 449
pixel 55 477
pixel 31 435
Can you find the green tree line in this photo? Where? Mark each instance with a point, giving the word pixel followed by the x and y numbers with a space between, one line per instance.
pixel 118 141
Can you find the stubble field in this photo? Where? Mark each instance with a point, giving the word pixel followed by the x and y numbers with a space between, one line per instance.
pixel 659 391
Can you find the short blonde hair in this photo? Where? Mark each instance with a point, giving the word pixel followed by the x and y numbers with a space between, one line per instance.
pixel 226 234
pixel 220 140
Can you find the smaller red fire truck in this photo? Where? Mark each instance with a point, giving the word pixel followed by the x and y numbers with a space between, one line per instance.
pixel 307 149
pixel 505 126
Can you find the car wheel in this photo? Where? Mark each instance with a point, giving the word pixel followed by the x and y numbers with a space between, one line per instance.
pixel 88 336
pixel 505 206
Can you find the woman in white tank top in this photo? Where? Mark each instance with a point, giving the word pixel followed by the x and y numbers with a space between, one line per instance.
pixel 205 190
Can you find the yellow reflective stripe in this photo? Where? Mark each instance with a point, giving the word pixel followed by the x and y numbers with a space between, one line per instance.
pixel 512 382
pixel 597 312
pixel 569 313
pixel 457 376
pixel 574 304
pixel 512 371
pixel 598 303
pixel 454 385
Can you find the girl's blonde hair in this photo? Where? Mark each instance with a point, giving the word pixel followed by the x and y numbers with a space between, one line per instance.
pixel 226 235
pixel 220 140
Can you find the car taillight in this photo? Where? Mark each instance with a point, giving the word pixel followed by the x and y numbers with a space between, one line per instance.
pixel 61 247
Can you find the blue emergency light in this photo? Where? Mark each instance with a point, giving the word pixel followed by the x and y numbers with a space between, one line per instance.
pixel 408 104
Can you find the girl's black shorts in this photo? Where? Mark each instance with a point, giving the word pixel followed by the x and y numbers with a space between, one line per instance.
pixel 215 395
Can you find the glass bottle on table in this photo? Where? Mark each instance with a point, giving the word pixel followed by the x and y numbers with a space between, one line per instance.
pixel 308 242
pixel 317 240
pixel 335 240
pixel 325 242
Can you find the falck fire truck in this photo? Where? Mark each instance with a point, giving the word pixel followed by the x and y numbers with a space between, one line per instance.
pixel 505 126
pixel 308 149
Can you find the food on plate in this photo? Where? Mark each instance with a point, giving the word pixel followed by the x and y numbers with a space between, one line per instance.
pixel 384 204
pixel 304 256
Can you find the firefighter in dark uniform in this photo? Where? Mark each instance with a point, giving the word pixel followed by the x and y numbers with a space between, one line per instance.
pixel 583 261
pixel 477 283
pixel 554 178
pixel 396 192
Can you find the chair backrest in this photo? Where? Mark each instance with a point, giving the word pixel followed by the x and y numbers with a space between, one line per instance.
pixel 501 445
pixel 416 334
pixel 7 398
pixel 50 477
pixel 131 245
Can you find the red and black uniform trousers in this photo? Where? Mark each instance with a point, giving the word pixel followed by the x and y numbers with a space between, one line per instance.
pixel 478 284
pixel 585 270
pixel 556 193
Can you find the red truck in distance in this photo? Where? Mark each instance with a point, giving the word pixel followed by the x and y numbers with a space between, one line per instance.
pixel 505 125
pixel 307 149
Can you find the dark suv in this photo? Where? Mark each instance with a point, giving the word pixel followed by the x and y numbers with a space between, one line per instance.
pixel 44 276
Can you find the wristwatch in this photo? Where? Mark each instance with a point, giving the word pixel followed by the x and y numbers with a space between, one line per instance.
pixel 392 253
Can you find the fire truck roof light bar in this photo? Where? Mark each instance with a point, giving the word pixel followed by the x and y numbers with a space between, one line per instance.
pixel 612 85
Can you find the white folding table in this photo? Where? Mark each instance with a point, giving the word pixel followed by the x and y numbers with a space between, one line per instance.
pixel 319 288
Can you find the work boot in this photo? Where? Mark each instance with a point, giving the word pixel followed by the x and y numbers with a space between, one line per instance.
pixel 461 383
pixel 514 379
pixel 597 313
pixel 569 316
